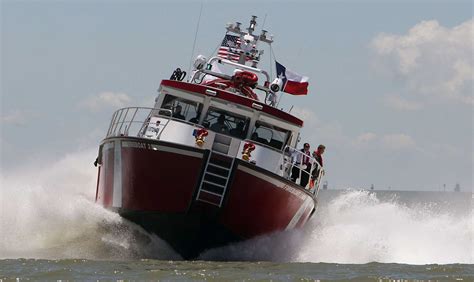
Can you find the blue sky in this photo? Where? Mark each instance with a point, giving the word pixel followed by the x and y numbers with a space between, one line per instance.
pixel 390 81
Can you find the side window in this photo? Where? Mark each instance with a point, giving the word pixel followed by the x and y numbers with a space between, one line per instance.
pixel 181 108
pixel 270 135
pixel 226 123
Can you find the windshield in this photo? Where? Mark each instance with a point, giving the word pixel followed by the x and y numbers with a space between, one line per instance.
pixel 226 123
pixel 270 135
pixel 182 109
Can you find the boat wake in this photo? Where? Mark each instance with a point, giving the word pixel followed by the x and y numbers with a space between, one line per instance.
pixel 356 227
pixel 50 213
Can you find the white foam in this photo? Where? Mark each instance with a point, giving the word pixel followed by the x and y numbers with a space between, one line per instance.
pixel 356 227
pixel 48 211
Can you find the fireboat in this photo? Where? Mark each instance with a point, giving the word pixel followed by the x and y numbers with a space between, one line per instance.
pixel 212 161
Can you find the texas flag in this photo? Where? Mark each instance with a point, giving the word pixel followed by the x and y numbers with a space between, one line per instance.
pixel 293 83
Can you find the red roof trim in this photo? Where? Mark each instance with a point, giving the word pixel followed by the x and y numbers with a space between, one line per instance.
pixel 231 97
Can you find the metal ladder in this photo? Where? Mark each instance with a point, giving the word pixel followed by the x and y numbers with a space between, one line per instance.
pixel 215 179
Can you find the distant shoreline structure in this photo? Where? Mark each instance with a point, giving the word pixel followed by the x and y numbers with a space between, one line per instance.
pixel 456 189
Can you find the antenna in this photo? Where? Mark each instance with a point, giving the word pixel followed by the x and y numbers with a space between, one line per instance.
pixel 195 37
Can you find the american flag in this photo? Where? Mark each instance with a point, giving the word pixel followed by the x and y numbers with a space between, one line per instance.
pixel 230 48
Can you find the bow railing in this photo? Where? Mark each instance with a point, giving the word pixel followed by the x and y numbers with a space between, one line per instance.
pixel 134 121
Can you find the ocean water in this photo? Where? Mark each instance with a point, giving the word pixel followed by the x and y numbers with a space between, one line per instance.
pixel 52 230
pixel 228 271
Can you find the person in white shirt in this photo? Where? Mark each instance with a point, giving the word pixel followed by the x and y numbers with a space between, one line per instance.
pixel 302 166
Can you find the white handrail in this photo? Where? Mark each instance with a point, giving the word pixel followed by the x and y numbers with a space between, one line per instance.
pixel 126 117
pixel 292 154
pixel 224 61
pixel 240 66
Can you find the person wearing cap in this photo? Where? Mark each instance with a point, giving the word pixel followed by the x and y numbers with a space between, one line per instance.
pixel 302 166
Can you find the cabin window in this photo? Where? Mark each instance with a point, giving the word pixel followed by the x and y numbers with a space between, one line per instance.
pixel 270 135
pixel 226 123
pixel 181 108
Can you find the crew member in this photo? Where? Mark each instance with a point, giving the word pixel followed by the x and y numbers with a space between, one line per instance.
pixel 302 166
pixel 238 131
pixel 318 155
pixel 220 126
pixel 177 112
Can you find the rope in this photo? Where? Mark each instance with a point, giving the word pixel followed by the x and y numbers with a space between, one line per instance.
pixel 264 19
pixel 271 66
pixel 195 37
pixel 218 45
pixel 281 95
pixel 271 69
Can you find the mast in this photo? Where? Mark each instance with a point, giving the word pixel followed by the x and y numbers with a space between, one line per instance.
pixel 239 48
pixel 249 41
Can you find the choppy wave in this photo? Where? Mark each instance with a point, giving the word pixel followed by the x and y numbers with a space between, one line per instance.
pixel 48 212
pixel 146 270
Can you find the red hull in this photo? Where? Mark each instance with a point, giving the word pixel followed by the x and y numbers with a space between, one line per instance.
pixel 156 184
pixel 258 204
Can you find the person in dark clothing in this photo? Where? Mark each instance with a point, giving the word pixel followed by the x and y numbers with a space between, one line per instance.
pixel 177 112
pixel 302 166
pixel 220 125
pixel 318 155
pixel 238 131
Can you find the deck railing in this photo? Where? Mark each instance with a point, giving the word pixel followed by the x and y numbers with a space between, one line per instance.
pixel 133 121
pixel 314 175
